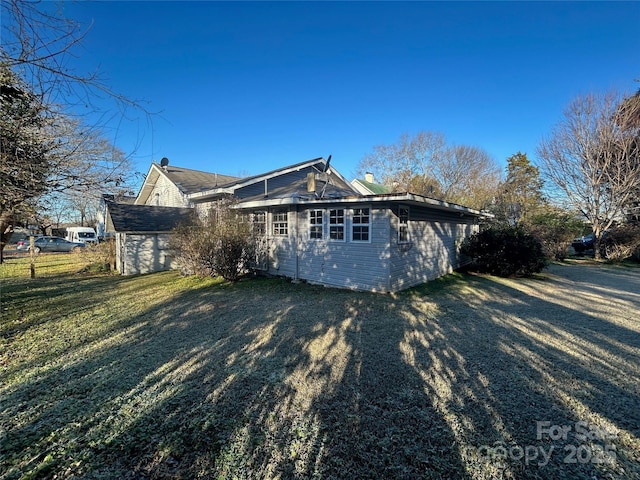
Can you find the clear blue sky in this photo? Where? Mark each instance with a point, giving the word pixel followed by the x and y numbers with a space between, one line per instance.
pixel 248 87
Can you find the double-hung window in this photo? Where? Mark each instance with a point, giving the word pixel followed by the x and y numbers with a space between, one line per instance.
pixel 360 224
pixel 280 223
pixel 403 225
pixel 336 224
pixel 315 224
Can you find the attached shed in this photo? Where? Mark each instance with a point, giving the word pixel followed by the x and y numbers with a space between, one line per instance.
pixel 142 235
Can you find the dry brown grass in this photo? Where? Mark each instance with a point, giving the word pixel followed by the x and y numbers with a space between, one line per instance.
pixel 159 376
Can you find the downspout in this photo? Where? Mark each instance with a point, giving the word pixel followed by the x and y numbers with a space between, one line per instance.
pixel 295 240
pixel 389 220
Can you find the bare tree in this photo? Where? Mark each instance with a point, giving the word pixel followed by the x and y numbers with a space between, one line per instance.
pixel 406 163
pixel 38 42
pixel 426 165
pixel 591 156
pixel 467 175
pixel 46 143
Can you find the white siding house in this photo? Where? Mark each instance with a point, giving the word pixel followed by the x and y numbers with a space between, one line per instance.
pixel 316 226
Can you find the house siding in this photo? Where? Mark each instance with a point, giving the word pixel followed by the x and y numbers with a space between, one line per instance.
pixel 281 255
pixel 432 251
pixel 348 264
pixel 142 253
pixel 166 194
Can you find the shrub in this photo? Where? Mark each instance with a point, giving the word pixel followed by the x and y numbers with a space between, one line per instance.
pixel 505 251
pixel 99 257
pixel 621 243
pixel 555 229
pixel 220 245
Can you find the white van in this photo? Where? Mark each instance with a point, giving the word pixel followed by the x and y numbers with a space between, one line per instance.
pixel 81 234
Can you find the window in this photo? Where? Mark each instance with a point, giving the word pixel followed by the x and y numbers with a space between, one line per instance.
pixel 403 225
pixel 360 225
pixel 281 224
pixel 259 224
pixel 315 224
pixel 336 224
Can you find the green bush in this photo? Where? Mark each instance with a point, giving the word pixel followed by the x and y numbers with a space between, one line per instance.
pixel 505 251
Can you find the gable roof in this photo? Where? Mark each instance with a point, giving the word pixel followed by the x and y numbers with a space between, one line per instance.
pixel 369 188
pixel 188 181
pixel 144 218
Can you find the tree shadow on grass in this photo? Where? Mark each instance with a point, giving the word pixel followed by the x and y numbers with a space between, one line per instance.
pixel 524 352
pixel 260 381
pixel 266 379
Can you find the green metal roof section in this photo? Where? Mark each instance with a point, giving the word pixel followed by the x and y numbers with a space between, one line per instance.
pixel 375 188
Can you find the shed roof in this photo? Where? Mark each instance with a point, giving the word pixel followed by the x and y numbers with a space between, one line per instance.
pixel 144 218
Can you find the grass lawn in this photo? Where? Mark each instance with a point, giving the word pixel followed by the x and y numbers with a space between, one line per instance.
pixel 471 377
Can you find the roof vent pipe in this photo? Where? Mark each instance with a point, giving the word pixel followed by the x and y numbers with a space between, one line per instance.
pixel 266 192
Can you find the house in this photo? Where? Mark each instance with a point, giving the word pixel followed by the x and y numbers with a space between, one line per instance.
pixel 366 185
pixel 319 228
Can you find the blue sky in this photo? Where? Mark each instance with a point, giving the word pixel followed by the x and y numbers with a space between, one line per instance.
pixel 242 88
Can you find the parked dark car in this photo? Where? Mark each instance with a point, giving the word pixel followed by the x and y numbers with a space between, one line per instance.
pixel 55 244
pixel 582 244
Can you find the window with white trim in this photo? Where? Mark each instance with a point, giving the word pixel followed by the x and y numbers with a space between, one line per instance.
pixel 280 223
pixel 315 224
pixel 360 225
pixel 403 225
pixel 259 224
pixel 336 224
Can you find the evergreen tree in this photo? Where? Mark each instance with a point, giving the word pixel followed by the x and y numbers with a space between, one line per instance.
pixel 521 193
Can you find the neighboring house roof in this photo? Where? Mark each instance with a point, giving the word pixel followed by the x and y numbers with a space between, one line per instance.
pixel 119 198
pixel 144 218
pixel 369 188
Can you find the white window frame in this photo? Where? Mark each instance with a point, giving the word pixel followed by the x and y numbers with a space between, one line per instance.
pixel 313 217
pixel 259 218
pixel 342 224
pixel 279 224
pixel 403 225
pixel 361 225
